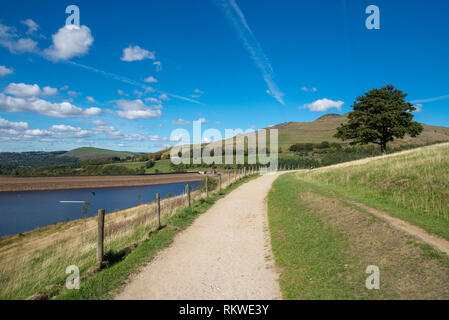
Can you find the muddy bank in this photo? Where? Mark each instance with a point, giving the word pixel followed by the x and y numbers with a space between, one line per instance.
pixel 85 182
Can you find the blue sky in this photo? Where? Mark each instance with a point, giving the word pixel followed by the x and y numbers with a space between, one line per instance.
pixel 234 64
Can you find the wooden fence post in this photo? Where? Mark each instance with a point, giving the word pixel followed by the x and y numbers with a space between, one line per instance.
pixel 188 194
pixel 100 242
pixel 207 187
pixel 219 177
pixel 229 178
pixel 158 199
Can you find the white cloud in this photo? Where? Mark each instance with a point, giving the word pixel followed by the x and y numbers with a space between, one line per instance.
pixel 305 89
pixel 23 90
pixel 150 79
pixel 63 88
pixel 151 99
pixel 122 93
pixel 149 90
pixel 180 122
pixel 138 93
pixel 49 91
pixel 32 26
pixel 16 45
pixel 90 99
pixel 202 120
pixel 98 122
pixel 4 71
pixel 136 109
pixel 72 132
pixel 323 105
pixel 29 90
pixel 197 93
pixel 70 41
pixel 74 93
pixel 5 124
pixel 40 106
pixel 164 97
pixel 37 133
pixel 136 53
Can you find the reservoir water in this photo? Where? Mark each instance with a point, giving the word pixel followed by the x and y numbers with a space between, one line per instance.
pixel 28 210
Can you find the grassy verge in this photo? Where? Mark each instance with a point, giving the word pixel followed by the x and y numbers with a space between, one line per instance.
pixel 105 284
pixel 413 186
pixel 306 251
pixel 323 245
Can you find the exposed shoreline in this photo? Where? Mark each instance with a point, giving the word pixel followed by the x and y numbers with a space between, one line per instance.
pixel 12 184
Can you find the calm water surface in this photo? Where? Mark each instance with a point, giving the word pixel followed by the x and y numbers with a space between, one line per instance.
pixel 28 210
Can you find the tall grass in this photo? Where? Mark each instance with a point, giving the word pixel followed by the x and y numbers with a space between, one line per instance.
pixel 32 261
pixel 413 185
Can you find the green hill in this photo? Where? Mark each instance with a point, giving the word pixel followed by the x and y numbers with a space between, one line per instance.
pixel 324 128
pixel 87 153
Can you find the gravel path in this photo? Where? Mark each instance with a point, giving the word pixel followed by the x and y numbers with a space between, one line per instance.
pixel 225 254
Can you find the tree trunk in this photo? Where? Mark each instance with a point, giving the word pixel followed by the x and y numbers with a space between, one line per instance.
pixel 383 148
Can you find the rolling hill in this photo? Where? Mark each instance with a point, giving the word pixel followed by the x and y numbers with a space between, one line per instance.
pixel 324 128
pixel 88 153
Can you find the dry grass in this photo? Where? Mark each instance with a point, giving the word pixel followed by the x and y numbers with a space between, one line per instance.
pixel 36 259
pixel 416 179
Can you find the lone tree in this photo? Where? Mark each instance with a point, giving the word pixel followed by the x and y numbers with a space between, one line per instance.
pixel 379 117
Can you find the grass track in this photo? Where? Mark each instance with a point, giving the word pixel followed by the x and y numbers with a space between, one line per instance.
pixel 322 246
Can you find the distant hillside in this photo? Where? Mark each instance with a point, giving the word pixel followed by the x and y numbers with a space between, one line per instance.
pixel 87 153
pixel 323 129
pixel 34 159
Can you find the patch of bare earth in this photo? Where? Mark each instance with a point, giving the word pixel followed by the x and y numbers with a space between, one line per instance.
pixel 409 269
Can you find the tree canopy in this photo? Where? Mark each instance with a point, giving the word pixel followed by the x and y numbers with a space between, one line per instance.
pixel 379 117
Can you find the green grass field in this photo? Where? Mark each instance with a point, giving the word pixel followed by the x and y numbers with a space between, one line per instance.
pixel 322 243
pixel 87 153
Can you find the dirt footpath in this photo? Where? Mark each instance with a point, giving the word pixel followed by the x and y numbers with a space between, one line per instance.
pixel 225 254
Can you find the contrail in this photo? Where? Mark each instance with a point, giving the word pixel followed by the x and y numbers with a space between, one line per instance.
pixel 431 99
pixel 129 81
pixel 236 17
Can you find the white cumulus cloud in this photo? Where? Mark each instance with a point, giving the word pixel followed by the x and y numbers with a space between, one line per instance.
pixel 323 105
pixel 136 53
pixel 23 90
pixel 136 109
pixel 32 26
pixel 5 124
pixel 70 41
pixel 40 106
pixel 150 79
pixel 4 71
pixel 29 90
pixel 49 91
